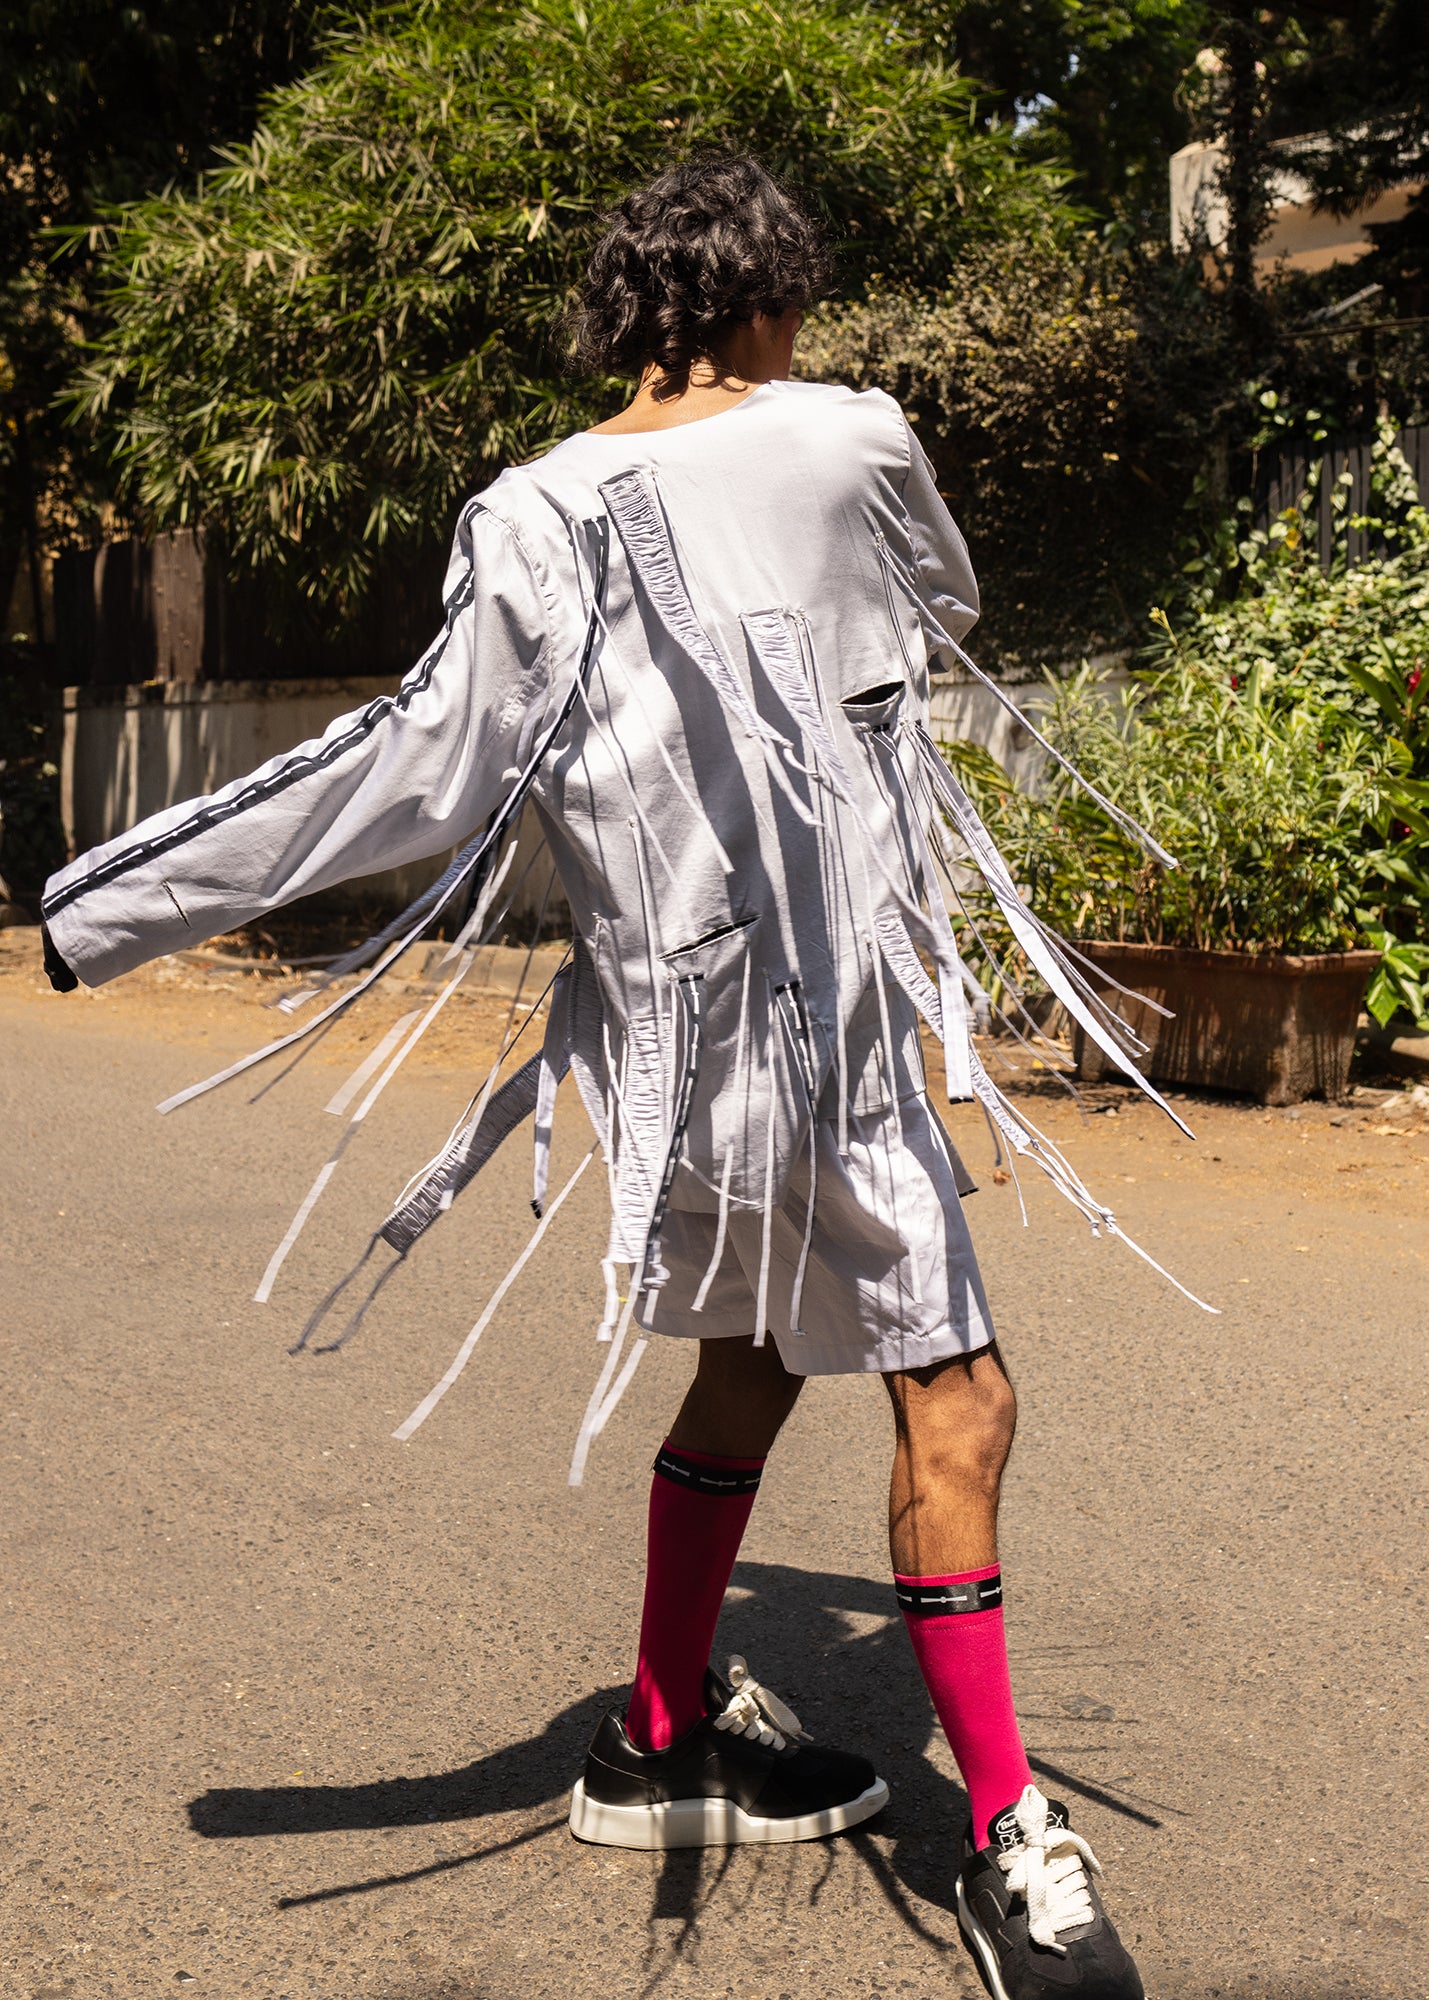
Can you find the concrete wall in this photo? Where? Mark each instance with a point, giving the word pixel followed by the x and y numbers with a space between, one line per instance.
pixel 129 751
pixel 1297 233
pixel 967 710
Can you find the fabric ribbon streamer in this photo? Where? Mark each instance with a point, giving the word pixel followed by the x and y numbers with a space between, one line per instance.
pixel 408 1429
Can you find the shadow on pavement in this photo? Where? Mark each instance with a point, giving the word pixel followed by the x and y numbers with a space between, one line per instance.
pixel 832 1645
pixel 532 1773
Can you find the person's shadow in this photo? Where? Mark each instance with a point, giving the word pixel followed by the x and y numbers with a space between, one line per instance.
pixel 833 1646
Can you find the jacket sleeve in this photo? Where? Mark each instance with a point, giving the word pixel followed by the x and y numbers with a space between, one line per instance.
pixel 406 777
pixel 944 569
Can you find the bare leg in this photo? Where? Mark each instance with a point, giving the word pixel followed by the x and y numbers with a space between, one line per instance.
pixel 738 1400
pixel 955 1421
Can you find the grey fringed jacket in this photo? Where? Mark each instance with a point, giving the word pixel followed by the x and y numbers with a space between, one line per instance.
pixel 703 654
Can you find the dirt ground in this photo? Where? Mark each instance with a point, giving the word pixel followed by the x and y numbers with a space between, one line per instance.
pixel 292 1709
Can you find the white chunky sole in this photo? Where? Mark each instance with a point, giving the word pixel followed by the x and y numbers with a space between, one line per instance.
pixel 710 1822
pixel 982 1944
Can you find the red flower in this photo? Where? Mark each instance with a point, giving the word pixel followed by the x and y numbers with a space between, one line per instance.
pixel 1415 677
pixel 1235 682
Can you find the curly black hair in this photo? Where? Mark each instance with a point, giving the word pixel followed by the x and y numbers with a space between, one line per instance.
pixel 690 257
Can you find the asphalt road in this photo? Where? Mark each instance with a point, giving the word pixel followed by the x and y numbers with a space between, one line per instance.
pixel 291 1709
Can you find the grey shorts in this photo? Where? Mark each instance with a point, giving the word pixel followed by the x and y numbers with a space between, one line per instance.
pixel 892 1281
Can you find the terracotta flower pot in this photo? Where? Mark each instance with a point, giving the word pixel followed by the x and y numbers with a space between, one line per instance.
pixel 1278 1028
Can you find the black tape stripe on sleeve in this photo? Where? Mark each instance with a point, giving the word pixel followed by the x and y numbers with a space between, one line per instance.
pixel 948 1600
pixel 717 1482
pixel 291 773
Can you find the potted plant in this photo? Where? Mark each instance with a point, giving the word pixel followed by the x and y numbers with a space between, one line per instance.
pixel 1278 746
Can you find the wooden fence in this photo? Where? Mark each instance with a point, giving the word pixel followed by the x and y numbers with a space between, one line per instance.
pixel 1290 474
pixel 133 611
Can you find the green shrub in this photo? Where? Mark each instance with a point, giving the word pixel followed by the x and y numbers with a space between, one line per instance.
pixel 347 327
pixel 1067 397
pixel 1353 643
pixel 1266 824
pixel 1276 742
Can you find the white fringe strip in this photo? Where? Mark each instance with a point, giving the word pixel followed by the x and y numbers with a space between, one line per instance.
pixel 1042 948
pixel 369 1065
pixel 476 922
pixel 343 1098
pixel 412 1424
pixel 1124 820
pixel 721 1227
pixel 766 1241
pixel 464 965
pixel 1025 1139
pixel 603 1398
pixel 296 1226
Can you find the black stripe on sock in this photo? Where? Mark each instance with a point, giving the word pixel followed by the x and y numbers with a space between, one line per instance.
pixel 718 1482
pixel 948 1600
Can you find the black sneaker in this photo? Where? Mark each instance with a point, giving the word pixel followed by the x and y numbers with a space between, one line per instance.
pixel 1028 1907
pixel 745 1773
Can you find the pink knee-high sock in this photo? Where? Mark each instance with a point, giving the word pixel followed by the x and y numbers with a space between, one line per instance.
pixel 699 1505
pixel 955 1623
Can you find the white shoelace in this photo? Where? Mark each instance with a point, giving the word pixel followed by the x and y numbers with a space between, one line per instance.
pixel 753 1711
pixel 1047 1869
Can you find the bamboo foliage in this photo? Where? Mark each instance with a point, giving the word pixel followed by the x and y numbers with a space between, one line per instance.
pixel 347 326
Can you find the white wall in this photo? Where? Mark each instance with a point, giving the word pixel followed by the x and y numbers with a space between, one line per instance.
pixel 129 751
pixel 1298 234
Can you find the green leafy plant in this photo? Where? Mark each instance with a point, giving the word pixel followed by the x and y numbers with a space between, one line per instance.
pixel 347 326
pixel 1267 831
pixel 98 104
pixel 1402 982
pixel 1276 742
pixel 1351 643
